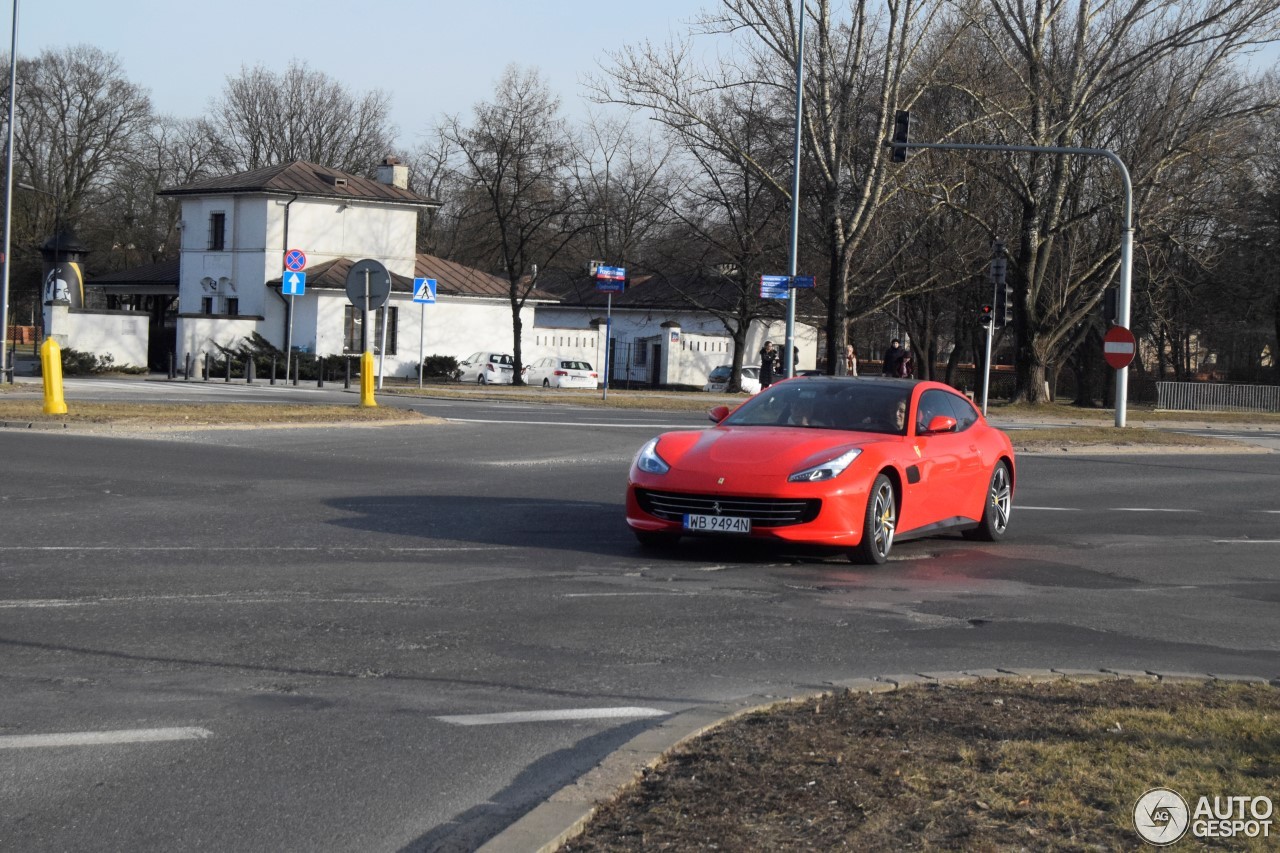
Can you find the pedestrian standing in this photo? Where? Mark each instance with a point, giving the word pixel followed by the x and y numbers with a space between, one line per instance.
pixel 850 360
pixel 768 364
pixel 893 358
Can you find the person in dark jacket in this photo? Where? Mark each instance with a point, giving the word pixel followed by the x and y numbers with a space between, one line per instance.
pixel 893 358
pixel 768 364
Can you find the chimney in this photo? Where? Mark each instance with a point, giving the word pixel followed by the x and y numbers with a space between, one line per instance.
pixel 393 173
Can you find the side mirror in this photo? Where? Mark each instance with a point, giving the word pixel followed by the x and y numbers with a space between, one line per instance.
pixel 941 423
pixel 718 414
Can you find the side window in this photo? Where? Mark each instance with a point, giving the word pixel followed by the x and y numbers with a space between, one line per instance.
pixel 963 411
pixel 932 404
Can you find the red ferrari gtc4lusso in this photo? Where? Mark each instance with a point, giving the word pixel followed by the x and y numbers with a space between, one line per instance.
pixel 855 463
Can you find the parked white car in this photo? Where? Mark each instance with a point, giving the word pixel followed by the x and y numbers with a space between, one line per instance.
pixel 718 380
pixel 486 368
pixel 554 372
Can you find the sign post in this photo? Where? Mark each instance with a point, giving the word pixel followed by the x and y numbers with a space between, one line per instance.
pixel 424 293
pixel 609 280
pixel 368 287
pixel 293 282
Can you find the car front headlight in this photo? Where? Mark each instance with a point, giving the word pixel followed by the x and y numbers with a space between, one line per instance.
pixel 827 470
pixel 649 461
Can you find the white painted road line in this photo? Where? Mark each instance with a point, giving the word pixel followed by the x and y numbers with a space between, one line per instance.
pixel 547 716
pixel 1246 542
pixel 103 738
pixel 1049 508
pixel 1150 509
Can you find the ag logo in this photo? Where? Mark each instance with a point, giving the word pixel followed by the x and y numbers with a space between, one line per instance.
pixel 1160 816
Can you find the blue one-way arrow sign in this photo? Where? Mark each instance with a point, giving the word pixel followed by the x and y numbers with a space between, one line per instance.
pixel 294 284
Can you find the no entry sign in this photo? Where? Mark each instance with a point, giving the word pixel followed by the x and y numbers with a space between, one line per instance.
pixel 1119 347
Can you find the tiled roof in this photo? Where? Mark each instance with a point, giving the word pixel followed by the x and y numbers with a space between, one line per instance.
pixel 305 179
pixel 452 279
pixel 161 272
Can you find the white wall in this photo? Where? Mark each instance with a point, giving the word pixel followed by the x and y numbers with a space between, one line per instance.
pixel 119 334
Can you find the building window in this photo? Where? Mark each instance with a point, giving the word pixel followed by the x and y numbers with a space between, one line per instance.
pixel 352 321
pixel 217 232
pixel 233 306
pixel 206 305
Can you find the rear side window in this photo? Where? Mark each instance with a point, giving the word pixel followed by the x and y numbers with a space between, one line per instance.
pixel 501 359
pixel 963 411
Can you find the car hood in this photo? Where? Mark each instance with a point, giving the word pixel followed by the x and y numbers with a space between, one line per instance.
pixel 753 458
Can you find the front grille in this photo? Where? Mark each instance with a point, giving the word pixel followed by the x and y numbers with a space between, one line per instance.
pixel 763 512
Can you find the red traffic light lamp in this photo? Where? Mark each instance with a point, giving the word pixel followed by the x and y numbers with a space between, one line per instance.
pixel 986 314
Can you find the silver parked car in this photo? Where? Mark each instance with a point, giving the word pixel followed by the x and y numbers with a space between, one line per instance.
pixel 486 368
pixel 554 372
pixel 718 379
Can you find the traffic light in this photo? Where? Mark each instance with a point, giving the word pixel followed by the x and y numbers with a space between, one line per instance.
pixel 985 314
pixel 901 133
pixel 998 276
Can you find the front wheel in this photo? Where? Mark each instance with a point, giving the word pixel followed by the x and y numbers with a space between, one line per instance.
pixel 995 512
pixel 878 524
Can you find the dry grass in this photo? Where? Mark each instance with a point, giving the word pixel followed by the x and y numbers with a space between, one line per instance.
pixel 999 765
pixel 198 414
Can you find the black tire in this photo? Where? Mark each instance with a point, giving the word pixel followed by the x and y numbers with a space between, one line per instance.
pixel 879 522
pixel 653 540
pixel 546 383
pixel 997 507
pixel 480 379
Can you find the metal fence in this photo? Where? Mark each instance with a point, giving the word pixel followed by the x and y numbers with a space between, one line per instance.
pixel 1211 397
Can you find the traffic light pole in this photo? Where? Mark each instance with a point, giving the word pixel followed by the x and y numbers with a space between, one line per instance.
pixel 986 380
pixel 1126 237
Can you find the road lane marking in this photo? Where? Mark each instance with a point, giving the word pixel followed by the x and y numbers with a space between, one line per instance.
pixel 1050 508
pixel 1150 509
pixel 239 548
pixel 549 716
pixel 1246 541
pixel 573 423
pixel 103 738
pixel 618 594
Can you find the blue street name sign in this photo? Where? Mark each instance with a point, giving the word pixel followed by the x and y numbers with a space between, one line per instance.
pixel 293 283
pixel 424 291
pixel 611 279
pixel 773 286
pixel 802 281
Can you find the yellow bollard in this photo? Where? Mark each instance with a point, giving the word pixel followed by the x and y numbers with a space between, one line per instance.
pixel 366 380
pixel 51 370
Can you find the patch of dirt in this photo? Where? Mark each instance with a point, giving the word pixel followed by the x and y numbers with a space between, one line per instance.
pixel 996 765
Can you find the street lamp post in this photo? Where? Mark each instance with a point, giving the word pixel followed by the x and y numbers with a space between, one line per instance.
pixel 57 223
pixel 5 367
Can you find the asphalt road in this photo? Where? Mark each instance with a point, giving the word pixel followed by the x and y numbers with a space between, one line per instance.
pixel 289 636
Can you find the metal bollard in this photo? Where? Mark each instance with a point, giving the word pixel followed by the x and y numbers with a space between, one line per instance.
pixel 297 366
pixel 273 370
pixel 320 372
pixel 186 368
pixel 173 373
pixel 250 371
pixel 228 379
pixel 346 384
pixel 208 367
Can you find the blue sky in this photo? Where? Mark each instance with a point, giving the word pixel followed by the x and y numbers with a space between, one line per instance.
pixel 431 57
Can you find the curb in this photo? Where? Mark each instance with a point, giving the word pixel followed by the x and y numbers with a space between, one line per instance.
pixel 566 812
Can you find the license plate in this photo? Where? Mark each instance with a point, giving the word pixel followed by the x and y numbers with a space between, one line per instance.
pixel 717 524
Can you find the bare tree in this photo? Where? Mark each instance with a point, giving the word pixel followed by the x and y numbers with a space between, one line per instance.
pixel 854 81
pixel 265 119
pixel 520 212
pixel 1154 80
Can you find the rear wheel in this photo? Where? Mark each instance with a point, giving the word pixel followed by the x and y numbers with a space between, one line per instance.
pixel 655 540
pixel 878 524
pixel 480 380
pixel 995 512
pixel 546 383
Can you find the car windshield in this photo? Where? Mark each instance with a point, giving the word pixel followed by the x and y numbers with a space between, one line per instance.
pixel 501 359
pixel 720 374
pixel 575 365
pixel 865 407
